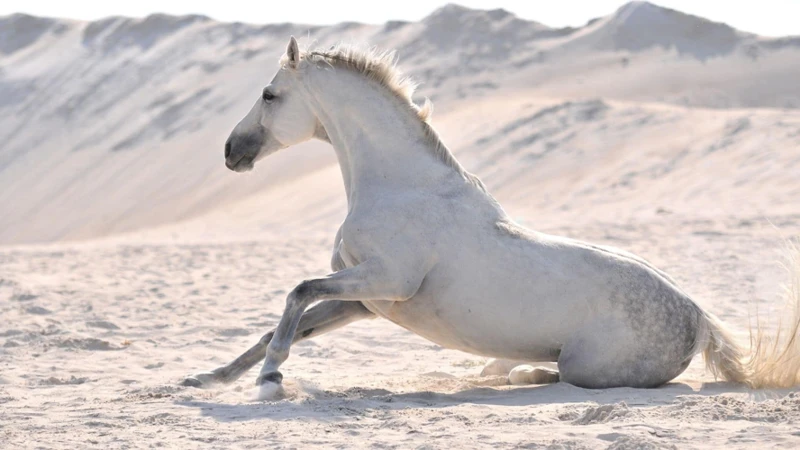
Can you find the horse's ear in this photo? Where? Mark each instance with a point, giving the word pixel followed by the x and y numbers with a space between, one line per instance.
pixel 293 52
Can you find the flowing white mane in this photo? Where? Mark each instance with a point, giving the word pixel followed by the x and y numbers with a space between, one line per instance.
pixel 381 67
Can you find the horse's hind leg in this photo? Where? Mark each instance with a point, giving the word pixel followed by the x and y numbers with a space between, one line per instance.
pixel 520 372
pixel 501 366
pixel 323 317
pixel 527 374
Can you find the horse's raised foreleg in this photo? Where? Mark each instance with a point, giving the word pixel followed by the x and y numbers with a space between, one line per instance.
pixel 366 281
pixel 324 317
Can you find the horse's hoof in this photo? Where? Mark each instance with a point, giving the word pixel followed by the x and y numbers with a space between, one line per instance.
pixel 191 382
pixel 271 377
pixel 200 380
pixel 270 387
pixel 270 392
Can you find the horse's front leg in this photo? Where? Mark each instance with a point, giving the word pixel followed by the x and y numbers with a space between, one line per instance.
pixel 366 281
pixel 323 317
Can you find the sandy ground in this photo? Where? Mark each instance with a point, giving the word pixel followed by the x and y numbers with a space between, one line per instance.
pixel 98 335
pixel 130 258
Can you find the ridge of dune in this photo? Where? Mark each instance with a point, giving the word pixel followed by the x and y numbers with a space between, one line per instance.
pixel 18 31
pixel 96 118
pixel 639 25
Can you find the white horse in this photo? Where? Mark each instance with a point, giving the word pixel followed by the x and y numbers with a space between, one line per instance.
pixel 425 246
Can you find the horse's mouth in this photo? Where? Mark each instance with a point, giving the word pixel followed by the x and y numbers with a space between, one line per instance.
pixel 243 164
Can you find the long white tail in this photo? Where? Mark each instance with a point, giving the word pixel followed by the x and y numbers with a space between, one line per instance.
pixel 774 358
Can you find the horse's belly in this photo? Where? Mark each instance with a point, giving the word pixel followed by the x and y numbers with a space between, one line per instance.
pixel 482 329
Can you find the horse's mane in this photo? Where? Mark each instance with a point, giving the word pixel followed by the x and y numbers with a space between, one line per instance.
pixel 381 67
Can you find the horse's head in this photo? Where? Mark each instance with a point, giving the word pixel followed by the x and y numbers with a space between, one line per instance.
pixel 280 118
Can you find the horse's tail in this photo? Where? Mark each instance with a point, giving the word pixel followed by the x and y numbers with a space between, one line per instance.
pixel 724 357
pixel 773 360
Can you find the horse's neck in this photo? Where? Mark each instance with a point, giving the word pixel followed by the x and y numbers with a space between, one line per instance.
pixel 378 144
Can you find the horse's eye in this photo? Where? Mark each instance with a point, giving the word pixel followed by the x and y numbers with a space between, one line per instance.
pixel 267 96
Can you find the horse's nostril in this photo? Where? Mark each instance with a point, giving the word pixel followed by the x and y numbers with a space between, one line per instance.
pixel 227 149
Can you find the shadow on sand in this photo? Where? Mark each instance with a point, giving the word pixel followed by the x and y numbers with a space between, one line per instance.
pixel 339 405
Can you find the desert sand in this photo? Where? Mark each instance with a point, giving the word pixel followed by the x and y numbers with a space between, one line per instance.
pixel 130 257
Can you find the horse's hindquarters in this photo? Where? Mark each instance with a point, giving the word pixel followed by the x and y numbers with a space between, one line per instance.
pixel 609 320
pixel 608 354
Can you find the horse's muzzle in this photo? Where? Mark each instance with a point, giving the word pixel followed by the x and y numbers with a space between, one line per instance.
pixel 241 152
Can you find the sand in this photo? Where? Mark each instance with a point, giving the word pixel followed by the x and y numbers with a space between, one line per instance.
pixel 131 257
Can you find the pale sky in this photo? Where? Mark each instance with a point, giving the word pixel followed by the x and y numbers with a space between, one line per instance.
pixel 765 17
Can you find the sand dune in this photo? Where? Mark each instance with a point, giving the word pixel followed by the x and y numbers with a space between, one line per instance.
pixel 124 118
pixel 131 257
